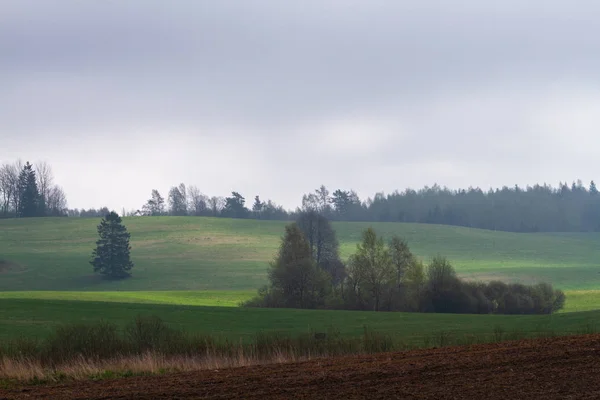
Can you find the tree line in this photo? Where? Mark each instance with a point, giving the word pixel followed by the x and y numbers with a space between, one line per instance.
pixel 384 276
pixel 29 191
pixel 538 208
pixel 185 200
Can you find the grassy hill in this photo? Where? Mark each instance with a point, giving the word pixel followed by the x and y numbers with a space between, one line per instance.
pixel 194 271
pixel 183 253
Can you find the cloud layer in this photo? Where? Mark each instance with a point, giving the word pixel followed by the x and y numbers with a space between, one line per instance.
pixel 275 98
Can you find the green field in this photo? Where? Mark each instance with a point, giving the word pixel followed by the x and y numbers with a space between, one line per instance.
pixel 33 318
pixel 182 253
pixel 577 300
pixel 193 272
pixel 216 298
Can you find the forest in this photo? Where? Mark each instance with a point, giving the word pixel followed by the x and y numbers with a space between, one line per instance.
pixel 567 207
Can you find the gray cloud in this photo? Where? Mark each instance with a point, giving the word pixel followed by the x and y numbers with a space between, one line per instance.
pixel 276 98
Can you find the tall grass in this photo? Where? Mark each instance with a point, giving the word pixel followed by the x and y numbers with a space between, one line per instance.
pixel 148 346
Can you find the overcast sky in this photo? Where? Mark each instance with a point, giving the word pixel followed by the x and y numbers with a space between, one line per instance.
pixel 277 97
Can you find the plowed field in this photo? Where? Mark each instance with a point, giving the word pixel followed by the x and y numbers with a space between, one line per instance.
pixel 557 368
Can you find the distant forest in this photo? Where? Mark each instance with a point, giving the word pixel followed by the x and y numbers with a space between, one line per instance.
pixel 539 208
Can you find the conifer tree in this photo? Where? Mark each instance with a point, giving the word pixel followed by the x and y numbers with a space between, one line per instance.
pixel 29 195
pixel 111 257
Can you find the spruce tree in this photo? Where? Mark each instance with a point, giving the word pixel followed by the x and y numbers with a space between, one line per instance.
pixel 111 257
pixel 29 195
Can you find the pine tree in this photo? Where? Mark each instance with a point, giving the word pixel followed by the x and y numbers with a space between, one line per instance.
pixel 111 256
pixel 29 195
pixel 257 207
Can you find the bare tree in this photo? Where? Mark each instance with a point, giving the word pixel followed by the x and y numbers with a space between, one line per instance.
pixel 319 201
pixel 9 187
pixel 324 200
pixel 216 205
pixel 178 200
pixel 5 190
pixel 310 202
pixel 197 201
pixel 155 205
pixel 45 179
pixel 56 202
pixel 183 192
pixel 17 167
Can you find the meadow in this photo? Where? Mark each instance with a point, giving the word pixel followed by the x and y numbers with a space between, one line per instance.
pixel 31 318
pixel 187 253
pixel 193 273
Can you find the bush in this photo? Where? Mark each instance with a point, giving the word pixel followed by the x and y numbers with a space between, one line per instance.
pixel 152 334
pixel 21 349
pixel 376 280
pixel 99 340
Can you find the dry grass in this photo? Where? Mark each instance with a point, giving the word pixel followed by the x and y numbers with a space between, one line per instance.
pixel 147 346
pixel 29 370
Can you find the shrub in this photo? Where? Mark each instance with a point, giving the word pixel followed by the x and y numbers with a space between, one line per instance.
pixel 99 340
pixel 147 333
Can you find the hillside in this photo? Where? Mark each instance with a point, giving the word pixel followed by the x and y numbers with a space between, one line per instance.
pixel 186 253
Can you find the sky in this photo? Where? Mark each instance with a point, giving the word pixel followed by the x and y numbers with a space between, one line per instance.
pixel 277 97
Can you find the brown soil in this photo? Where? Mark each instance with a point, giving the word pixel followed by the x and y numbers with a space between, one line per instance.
pixel 558 368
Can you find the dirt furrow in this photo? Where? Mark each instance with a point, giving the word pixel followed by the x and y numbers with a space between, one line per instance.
pixel 558 368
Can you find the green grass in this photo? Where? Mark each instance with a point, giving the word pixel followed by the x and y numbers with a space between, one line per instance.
pixel 582 300
pixel 183 253
pixel 577 300
pixel 216 298
pixel 25 318
pixel 194 271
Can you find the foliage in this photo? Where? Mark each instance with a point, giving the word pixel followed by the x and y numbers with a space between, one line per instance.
pixel 446 293
pixel 28 191
pixel 389 277
pixel 323 243
pixel 30 200
pixel 235 206
pixel 401 257
pixel 537 208
pixel 257 207
pixel 111 256
pixel 372 270
pixel 295 280
pixel 178 200
pixel 155 205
